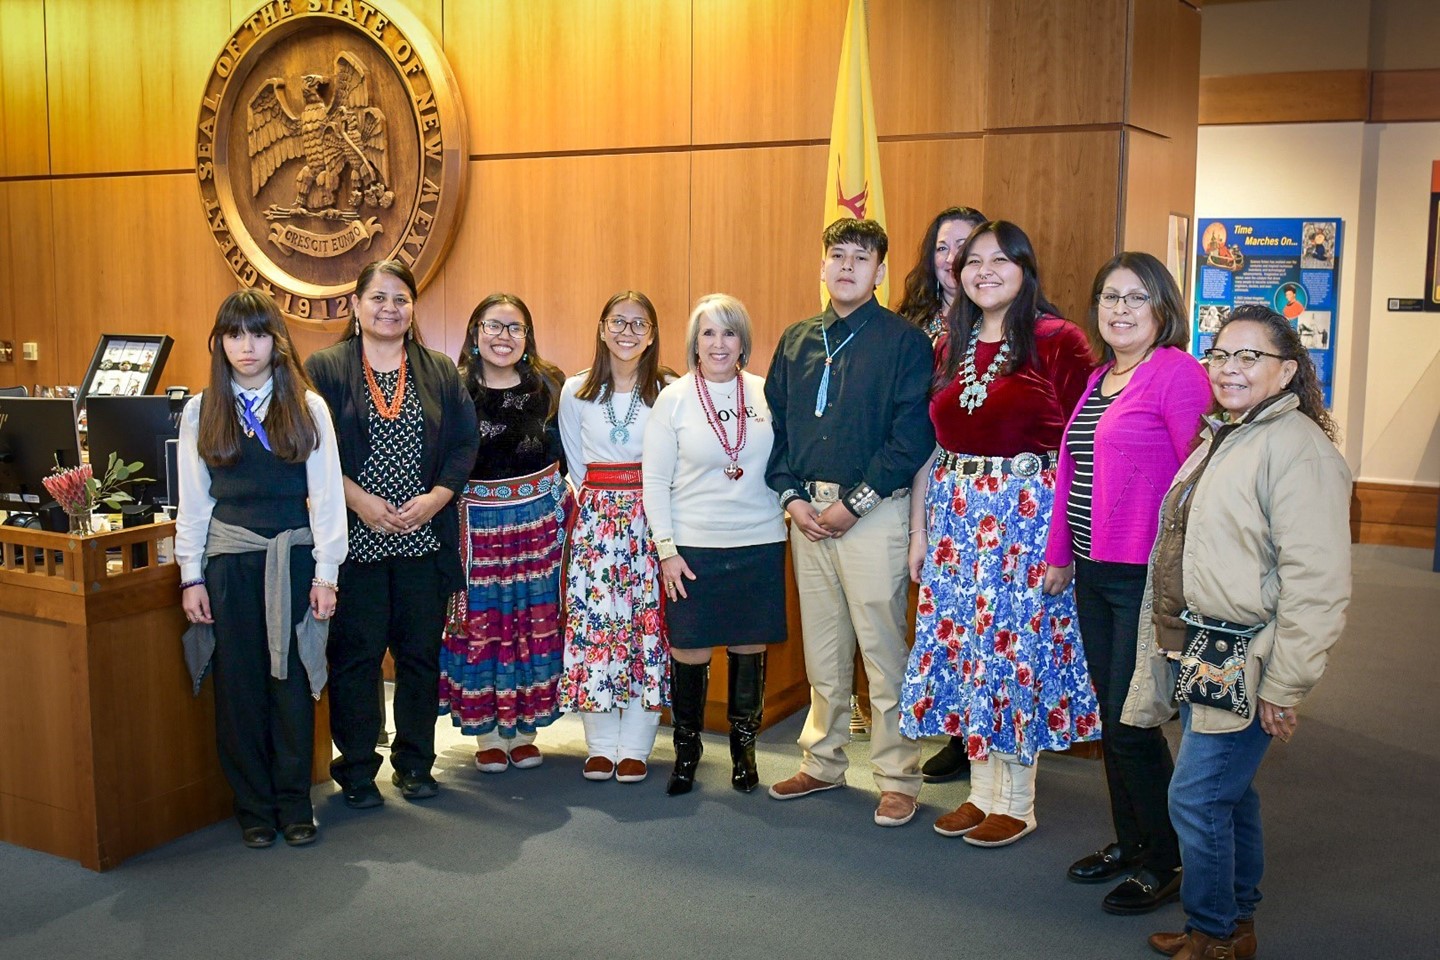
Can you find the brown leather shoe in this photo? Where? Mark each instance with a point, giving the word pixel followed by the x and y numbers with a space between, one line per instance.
pixel 599 768
pixel 493 760
pixel 1170 944
pixel 526 756
pixel 998 830
pixel 631 770
pixel 896 809
pixel 960 821
pixel 801 785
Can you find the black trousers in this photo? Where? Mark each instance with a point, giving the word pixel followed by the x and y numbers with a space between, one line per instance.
pixel 396 604
pixel 1138 765
pixel 264 727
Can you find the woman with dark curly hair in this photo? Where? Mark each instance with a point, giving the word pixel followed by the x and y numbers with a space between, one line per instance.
pixel 1248 585
pixel 930 286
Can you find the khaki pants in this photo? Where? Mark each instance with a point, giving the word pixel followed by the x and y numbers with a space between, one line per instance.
pixel 853 591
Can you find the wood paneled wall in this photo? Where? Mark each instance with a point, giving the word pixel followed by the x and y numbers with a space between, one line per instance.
pixel 672 146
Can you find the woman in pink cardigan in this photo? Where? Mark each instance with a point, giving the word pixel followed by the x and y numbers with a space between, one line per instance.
pixel 1123 445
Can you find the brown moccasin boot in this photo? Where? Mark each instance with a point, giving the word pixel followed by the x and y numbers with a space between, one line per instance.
pixel 960 821
pixel 1170 943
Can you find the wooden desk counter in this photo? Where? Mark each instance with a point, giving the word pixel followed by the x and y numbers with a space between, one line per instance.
pixel 104 752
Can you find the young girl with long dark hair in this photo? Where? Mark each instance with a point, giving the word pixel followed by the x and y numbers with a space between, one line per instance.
pixel 260 537
pixel 616 658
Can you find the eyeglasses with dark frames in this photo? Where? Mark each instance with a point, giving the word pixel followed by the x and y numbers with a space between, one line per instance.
pixel 638 326
pixel 492 328
pixel 1134 301
pixel 1247 358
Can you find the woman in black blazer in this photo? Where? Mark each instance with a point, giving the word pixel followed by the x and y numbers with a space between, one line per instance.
pixel 407 442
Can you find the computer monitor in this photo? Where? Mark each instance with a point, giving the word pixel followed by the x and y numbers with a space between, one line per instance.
pixel 35 434
pixel 135 429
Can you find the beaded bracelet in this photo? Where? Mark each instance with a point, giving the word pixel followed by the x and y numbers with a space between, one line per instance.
pixel 198 582
pixel 328 584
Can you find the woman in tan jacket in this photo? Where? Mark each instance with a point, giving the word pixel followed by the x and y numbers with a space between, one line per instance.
pixel 1254 548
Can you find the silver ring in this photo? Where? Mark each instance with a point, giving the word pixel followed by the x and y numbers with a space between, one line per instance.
pixel 1280 714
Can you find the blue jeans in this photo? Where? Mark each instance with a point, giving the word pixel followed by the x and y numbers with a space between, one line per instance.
pixel 1216 813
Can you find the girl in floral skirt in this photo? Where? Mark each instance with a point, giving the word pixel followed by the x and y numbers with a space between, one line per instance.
pixel 501 662
pixel 616 657
pixel 996 659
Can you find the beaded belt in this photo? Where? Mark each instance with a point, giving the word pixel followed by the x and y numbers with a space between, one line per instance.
pixel 1020 465
pixel 614 476
pixel 517 490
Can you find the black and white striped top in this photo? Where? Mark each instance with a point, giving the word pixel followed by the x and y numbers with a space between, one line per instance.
pixel 1080 441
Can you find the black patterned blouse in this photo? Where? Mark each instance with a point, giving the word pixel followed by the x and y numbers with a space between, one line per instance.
pixel 517 434
pixel 392 472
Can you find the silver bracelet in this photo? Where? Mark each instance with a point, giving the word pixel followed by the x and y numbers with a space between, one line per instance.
pixel 328 584
pixel 665 549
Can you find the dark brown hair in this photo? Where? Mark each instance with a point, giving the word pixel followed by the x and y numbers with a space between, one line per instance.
pixel 1286 341
pixel 922 301
pixel 530 366
pixel 288 424
pixel 649 375
pixel 1166 302
pixel 965 317
pixel 367 275
pixel 865 233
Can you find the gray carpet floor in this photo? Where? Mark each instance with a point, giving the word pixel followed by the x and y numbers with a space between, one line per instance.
pixel 543 864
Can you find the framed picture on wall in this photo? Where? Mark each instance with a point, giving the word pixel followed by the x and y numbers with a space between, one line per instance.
pixel 126 365
pixel 1177 252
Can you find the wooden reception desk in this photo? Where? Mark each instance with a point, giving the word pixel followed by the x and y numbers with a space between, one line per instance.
pixel 104 752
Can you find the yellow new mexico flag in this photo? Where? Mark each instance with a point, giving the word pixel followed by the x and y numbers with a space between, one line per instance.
pixel 852 177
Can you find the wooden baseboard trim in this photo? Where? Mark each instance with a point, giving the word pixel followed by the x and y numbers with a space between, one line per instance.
pixel 1394 514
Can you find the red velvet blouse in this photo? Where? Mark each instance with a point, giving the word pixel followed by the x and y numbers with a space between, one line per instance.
pixel 1025 410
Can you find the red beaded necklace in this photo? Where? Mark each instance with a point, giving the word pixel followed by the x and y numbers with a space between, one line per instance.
pixel 732 470
pixel 389 410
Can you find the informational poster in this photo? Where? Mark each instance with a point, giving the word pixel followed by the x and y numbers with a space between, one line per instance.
pixel 1290 265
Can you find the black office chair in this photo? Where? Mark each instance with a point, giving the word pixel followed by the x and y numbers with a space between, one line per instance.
pixel 14 392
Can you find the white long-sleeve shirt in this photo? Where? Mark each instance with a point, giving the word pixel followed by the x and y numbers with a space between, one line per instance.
pixel 688 497
pixel 322 475
pixel 586 433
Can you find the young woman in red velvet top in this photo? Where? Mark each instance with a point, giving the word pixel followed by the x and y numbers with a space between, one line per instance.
pixel 996 659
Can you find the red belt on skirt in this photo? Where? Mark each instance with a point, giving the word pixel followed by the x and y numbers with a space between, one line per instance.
pixel 614 476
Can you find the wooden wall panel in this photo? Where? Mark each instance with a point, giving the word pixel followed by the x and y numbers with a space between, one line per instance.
pixel 1055 64
pixel 552 75
pixel 923 177
pixel 125 80
pixel 785 89
pixel 1149 193
pixel 1164 87
pixel 24 126
pixel 1400 515
pixel 755 217
pixel 565 233
pixel 926 60
pixel 155 269
pixel 1316 96
pixel 1404 95
pixel 1063 190
pixel 27 281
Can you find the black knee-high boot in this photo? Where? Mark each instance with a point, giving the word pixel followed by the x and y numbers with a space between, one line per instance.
pixel 747 705
pixel 688 684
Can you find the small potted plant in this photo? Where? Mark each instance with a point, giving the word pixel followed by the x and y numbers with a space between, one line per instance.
pixel 79 493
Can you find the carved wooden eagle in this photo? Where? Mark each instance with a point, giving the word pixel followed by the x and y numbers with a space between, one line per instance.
pixel 329 135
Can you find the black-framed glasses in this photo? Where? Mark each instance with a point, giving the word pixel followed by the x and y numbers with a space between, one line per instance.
pixel 1132 300
pixel 492 328
pixel 639 326
pixel 1247 358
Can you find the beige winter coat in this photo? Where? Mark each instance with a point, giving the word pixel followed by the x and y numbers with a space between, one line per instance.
pixel 1268 542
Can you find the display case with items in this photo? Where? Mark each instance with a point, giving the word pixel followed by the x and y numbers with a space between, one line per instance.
pixel 126 365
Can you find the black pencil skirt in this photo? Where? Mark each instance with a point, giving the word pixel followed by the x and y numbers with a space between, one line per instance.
pixel 737 598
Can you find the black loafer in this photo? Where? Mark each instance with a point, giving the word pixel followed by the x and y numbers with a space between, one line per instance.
pixel 1103 865
pixel 364 797
pixel 299 834
pixel 952 761
pixel 257 837
pixel 415 784
pixel 1142 892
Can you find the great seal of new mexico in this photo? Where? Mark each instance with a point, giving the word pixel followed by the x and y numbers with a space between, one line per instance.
pixel 330 134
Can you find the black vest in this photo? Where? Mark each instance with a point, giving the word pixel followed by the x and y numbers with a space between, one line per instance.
pixel 260 491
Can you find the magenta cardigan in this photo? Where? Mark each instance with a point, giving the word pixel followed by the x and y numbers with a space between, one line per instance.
pixel 1140 442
